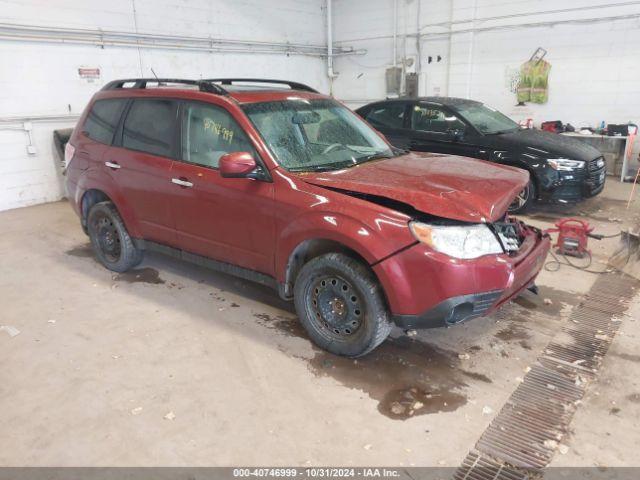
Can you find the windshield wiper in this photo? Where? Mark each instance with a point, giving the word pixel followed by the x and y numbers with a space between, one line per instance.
pixel 324 167
pixel 340 165
pixel 373 156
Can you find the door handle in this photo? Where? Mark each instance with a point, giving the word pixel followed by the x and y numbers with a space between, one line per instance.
pixel 113 165
pixel 182 182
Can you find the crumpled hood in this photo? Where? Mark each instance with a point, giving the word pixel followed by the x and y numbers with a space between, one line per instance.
pixel 446 186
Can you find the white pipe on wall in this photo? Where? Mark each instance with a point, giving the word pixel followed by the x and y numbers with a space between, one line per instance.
pixel 529 14
pixel 418 49
pixel 35 33
pixel 472 34
pixel 395 33
pixel 330 73
pixel 549 23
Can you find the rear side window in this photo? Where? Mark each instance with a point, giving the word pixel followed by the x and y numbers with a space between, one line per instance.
pixel 103 119
pixel 149 126
pixel 208 132
pixel 391 115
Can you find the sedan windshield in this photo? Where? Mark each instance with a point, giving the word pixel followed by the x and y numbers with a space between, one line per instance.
pixel 314 135
pixel 486 119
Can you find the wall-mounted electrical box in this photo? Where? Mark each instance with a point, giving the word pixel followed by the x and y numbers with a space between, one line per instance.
pixel 411 85
pixel 393 76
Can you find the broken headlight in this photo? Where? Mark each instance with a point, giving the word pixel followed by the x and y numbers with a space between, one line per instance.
pixel 458 241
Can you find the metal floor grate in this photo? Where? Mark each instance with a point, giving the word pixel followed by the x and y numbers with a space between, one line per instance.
pixel 523 437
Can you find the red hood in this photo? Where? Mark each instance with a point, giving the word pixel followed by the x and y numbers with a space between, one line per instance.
pixel 446 186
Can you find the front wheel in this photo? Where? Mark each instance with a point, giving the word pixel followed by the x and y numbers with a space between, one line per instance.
pixel 111 241
pixel 341 306
pixel 524 199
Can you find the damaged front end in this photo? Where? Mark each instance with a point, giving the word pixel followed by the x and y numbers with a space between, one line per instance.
pixel 460 271
pixel 468 257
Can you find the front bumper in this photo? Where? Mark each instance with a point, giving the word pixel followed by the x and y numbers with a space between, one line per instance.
pixel 571 187
pixel 426 289
pixel 451 311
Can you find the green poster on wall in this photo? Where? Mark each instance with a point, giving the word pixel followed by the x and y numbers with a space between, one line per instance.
pixel 534 82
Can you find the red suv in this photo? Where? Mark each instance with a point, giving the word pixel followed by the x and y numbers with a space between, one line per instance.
pixel 276 183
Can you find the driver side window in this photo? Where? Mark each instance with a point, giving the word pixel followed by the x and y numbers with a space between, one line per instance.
pixel 208 132
pixel 430 118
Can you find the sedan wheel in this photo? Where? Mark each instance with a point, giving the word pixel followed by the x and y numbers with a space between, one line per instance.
pixel 523 200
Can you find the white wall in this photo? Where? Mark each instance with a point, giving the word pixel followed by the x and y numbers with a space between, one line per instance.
pixel 41 78
pixel 595 66
pixel 594 75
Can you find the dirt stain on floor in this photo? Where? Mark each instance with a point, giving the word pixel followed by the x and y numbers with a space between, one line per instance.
pixel 476 376
pixel 140 275
pixel 513 332
pixel 81 251
pixel 550 301
pixel 289 326
pixel 523 310
pixel 407 377
pixel 628 356
pixel 634 397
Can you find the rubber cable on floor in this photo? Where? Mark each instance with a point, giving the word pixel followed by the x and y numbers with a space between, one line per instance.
pixel 555 264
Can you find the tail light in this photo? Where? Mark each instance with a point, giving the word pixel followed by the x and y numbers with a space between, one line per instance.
pixel 69 151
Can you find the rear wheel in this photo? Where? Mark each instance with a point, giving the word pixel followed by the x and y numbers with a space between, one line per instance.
pixel 110 239
pixel 524 199
pixel 341 305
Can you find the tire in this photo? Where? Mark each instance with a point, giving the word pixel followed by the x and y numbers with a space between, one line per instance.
pixel 110 240
pixel 341 305
pixel 524 200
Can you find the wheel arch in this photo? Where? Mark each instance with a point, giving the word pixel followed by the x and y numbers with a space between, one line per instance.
pixel 94 195
pixel 311 248
pixel 89 199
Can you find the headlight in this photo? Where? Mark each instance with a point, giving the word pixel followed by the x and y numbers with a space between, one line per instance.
pixel 564 164
pixel 466 242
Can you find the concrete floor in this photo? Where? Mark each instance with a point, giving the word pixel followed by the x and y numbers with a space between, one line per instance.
pixel 177 365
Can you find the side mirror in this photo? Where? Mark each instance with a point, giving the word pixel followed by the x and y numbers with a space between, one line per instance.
pixel 236 165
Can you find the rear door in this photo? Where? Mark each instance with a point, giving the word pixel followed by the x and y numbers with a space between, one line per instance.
pixel 438 130
pixel 98 132
pixel 140 163
pixel 227 219
pixel 390 119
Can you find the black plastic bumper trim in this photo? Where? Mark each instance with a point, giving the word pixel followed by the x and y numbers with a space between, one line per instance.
pixel 451 311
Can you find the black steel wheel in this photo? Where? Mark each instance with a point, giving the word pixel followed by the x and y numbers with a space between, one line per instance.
pixel 111 241
pixel 341 305
pixel 107 236
pixel 336 306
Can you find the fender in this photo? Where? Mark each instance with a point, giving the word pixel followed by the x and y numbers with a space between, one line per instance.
pixel 372 244
pixel 90 180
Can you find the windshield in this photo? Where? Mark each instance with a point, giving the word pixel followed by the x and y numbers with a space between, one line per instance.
pixel 312 135
pixel 486 119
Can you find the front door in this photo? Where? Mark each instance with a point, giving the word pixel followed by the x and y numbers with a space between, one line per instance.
pixel 437 130
pixel 227 219
pixel 140 163
pixel 389 119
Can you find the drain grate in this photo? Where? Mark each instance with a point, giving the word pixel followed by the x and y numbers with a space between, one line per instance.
pixel 527 430
pixel 478 467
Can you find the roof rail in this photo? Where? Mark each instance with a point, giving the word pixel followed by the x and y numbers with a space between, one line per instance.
pixel 203 85
pixel 291 85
